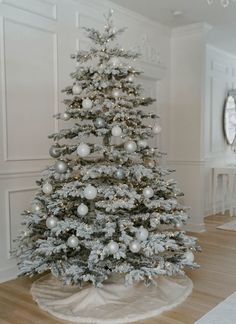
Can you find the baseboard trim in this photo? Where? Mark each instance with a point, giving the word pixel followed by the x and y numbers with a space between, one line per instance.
pixel 8 274
pixel 197 228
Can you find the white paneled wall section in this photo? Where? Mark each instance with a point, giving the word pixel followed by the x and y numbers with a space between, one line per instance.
pixel 36 40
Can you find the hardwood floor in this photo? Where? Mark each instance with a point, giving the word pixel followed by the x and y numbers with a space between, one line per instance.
pixel 213 282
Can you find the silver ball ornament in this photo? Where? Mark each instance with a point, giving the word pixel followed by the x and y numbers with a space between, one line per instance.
pixel 113 247
pixel 130 146
pixel 148 192
pixel 116 93
pixel 142 144
pixel 87 103
pixel 156 129
pixel 90 192
pixel 51 222
pixel 36 207
pixel 66 116
pixel 120 174
pixel 116 131
pixel 142 234
pixel 54 152
pixel 189 257
pixel 76 89
pixel 82 210
pixel 134 246
pixel 83 150
pixel 61 166
pixel 72 241
pixel 100 123
pixel 47 188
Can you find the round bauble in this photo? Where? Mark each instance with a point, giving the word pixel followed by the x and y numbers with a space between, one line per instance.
pixel 66 116
pixel 72 241
pixel 51 222
pixel 189 257
pixel 87 103
pixel 76 89
pixel 90 192
pixel 47 188
pixel 61 166
pixel 142 234
pixel 54 152
pixel 116 93
pixel 82 210
pixel 142 144
pixel 134 246
pixel 130 78
pixel 113 247
pixel 149 162
pixel 83 150
pixel 100 123
pixel 114 61
pixel 148 192
pixel 130 147
pixel 156 129
pixel 178 225
pixel 116 131
pixel 120 174
pixel 37 207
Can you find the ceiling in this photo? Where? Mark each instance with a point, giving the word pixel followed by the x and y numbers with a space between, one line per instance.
pixel 222 19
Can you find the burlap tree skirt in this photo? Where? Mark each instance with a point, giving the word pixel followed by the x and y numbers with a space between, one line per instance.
pixel 113 303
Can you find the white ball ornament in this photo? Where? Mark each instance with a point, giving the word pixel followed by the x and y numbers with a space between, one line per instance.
pixel 51 222
pixel 134 246
pixel 119 174
pixel 130 146
pixel 82 210
pixel 148 192
pixel 130 78
pixel 142 144
pixel 100 123
pixel 76 89
pixel 116 93
pixel 66 116
pixel 113 247
pixel 189 257
pixel 142 234
pixel 47 188
pixel 36 207
pixel 90 192
pixel 61 166
pixel 83 150
pixel 73 241
pixel 156 129
pixel 116 131
pixel 87 103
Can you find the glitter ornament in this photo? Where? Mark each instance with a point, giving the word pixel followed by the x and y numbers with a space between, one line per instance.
pixel 51 222
pixel 87 103
pixel 120 174
pixel 134 246
pixel 82 210
pixel 76 89
pixel 66 116
pixel 113 247
pixel 83 150
pixel 148 192
pixel 47 188
pixel 72 241
pixel 37 207
pixel 130 147
pixel 142 234
pixel 100 123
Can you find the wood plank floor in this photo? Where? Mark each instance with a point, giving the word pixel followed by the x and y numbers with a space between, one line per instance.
pixel 213 282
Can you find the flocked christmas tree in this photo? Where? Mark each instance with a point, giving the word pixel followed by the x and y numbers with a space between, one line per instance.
pixel 105 208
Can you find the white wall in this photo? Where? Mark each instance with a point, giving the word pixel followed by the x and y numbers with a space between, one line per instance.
pixel 36 40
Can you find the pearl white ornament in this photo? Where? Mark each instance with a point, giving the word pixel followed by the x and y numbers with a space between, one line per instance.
pixel 73 241
pixel 47 188
pixel 61 166
pixel 115 61
pixel 90 192
pixel 130 146
pixel 51 222
pixel 76 89
pixel 54 152
pixel 148 192
pixel 116 93
pixel 66 116
pixel 87 103
pixel 100 123
pixel 82 210
pixel 142 144
pixel 134 246
pixel 142 234
pixel 189 256
pixel 116 131
pixel 113 247
pixel 119 174
pixel 156 129
pixel 37 207
pixel 83 150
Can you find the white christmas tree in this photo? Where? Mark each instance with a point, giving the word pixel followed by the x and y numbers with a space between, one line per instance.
pixel 105 208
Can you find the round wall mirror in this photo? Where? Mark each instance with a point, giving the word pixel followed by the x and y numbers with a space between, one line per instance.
pixel 230 119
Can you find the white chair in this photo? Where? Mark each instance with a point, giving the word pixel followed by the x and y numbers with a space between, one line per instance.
pixel 223 176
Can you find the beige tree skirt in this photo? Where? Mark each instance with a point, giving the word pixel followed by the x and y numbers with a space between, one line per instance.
pixel 113 303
